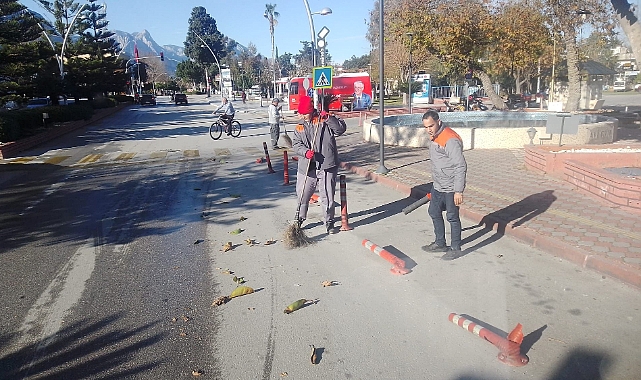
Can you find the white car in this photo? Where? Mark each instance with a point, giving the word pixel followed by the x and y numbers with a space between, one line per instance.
pixel 619 85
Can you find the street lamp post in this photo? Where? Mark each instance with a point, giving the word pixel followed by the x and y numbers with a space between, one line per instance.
pixel 60 58
pixel 409 79
pixel 381 98
pixel 322 12
pixel 220 72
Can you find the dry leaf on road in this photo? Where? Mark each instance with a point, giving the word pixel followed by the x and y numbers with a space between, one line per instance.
pixel 236 231
pixel 220 301
pixel 250 242
pixel 329 283
pixel 242 218
pixel 228 246
pixel 196 372
pixel 270 242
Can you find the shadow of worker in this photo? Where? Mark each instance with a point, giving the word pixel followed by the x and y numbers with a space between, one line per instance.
pixel 519 213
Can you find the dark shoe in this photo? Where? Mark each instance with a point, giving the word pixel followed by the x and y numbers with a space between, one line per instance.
pixel 452 254
pixel 330 228
pixel 433 247
pixel 276 147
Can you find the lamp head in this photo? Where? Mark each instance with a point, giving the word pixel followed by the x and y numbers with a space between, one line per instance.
pixel 325 11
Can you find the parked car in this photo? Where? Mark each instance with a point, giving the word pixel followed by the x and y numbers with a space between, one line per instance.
pixel 38 102
pixel 180 99
pixel 147 99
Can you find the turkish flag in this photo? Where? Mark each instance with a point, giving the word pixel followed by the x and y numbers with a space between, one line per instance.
pixel 136 52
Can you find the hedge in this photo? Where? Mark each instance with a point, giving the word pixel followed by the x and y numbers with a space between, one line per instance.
pixel 18 124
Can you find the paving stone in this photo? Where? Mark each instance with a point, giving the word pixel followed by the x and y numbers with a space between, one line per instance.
pixel 571 238
pixel 595 234
pixel 621 244
pixel 546 229
pixel 632 260
pixel 581 230
pixel 605 239
pixel 559 234
pixel 600 248
pixel 585 243
pixel 635 249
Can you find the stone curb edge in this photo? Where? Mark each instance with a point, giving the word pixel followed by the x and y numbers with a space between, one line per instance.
pixel 523 234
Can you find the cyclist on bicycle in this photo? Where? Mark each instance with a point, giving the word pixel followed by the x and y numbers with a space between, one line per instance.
pixel 228 113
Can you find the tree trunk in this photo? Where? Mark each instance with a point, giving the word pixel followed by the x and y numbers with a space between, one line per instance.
pixel 496 100
pixel 574 75
pixel 517 80
pixel 630 25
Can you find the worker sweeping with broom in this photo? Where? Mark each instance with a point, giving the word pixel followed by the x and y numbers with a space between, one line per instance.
pixel 315 144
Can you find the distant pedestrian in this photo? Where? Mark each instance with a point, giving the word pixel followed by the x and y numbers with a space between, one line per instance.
pixel 274 121
pixel 244 97
pixel 448 174
pixel 314 142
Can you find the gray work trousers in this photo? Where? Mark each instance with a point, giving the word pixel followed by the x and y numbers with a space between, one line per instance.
pixel 274 130
pixel 327 181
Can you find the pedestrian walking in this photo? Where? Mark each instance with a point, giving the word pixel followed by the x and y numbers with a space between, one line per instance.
pixel 315 144
pixel 448 175
pixel 274 121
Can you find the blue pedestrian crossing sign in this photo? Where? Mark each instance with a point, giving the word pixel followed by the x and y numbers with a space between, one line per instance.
pixel 322 76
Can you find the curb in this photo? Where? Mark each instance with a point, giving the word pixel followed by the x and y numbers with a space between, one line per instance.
pixel 551 246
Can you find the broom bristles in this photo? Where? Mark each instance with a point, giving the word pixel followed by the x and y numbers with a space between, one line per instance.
pixel 287 140
pixel 295 237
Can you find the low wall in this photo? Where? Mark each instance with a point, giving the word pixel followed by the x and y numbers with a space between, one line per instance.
pixel 583 167
pixel 508 134
pixel 11 149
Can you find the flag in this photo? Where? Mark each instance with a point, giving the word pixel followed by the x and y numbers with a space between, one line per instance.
pixel 136 51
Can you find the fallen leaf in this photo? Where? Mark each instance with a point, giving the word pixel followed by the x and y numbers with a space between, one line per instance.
pixel 227 246
pixel 174 319
pixel 236 231
pixel 241 291
pixel 242 218
pixel 283 374
pixel 239 280
pixel 220 301
pixel 329 283
pixel 251 308
pixel 182 333
pixel 270 242
pixel 250 242
pixel 184 318
pixel 294 306
pixel 227 271
pixel 198 241
pixel 313 357
pixel 196 372
pixel 499 256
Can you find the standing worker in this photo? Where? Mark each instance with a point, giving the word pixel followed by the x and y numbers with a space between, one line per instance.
pixel 314 142
pixel 274 121
pixel 448 174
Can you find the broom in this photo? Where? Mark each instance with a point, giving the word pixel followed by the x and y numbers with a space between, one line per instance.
pixel 286 138
pixel 294 236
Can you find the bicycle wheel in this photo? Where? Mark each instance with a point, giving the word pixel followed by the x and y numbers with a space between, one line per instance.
pixel 235 128
pixel 215 131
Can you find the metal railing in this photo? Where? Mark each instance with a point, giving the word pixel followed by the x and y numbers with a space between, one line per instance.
pixel 458 91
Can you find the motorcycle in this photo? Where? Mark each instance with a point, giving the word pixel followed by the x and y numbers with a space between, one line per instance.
pixel 475 103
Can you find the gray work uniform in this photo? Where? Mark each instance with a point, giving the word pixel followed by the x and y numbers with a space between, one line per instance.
pixel 274 123
pixel 323 166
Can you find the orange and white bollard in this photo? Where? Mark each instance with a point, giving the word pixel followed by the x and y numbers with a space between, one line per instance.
pixel 399 265
pixel 344 222
pixel 285 169
pixel 510 348
pixel 269 162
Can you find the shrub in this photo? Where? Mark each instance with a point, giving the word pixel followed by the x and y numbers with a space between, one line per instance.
pixel 18 124
pixel 123 98
pixel 98 103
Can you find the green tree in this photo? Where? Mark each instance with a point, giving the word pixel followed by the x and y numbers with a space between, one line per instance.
pixel 203 25
pixel 190 72
pixel 93 68
pixel 24 55
pixel 357 63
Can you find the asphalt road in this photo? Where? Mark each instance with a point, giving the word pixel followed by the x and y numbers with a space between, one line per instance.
pixel 110 267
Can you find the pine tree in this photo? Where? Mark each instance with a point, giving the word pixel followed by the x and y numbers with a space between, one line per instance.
pixel 23 52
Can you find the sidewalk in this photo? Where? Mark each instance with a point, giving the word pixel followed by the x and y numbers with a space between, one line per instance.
pixel 506 199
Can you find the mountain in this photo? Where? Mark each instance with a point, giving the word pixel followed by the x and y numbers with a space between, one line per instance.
pixel 147 47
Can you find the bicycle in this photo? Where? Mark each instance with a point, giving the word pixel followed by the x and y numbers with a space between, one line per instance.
pixel 218 126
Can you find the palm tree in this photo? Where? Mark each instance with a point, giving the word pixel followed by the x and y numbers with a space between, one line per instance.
pixel 271 15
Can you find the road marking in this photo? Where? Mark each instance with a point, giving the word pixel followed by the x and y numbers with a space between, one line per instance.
pixel 252 151
pixel 222 152
pixel 90 158
pixel 156 155
pixel 22 160
pixel 55 160
pixel 45 317
pixel 124 156
pixel 191 153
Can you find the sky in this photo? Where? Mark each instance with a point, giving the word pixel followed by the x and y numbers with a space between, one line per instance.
pixel 242 20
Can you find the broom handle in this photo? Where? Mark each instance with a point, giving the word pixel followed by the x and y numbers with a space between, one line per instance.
pixel 309 163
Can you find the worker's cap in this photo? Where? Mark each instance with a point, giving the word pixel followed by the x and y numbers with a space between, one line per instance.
pixel 275 100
